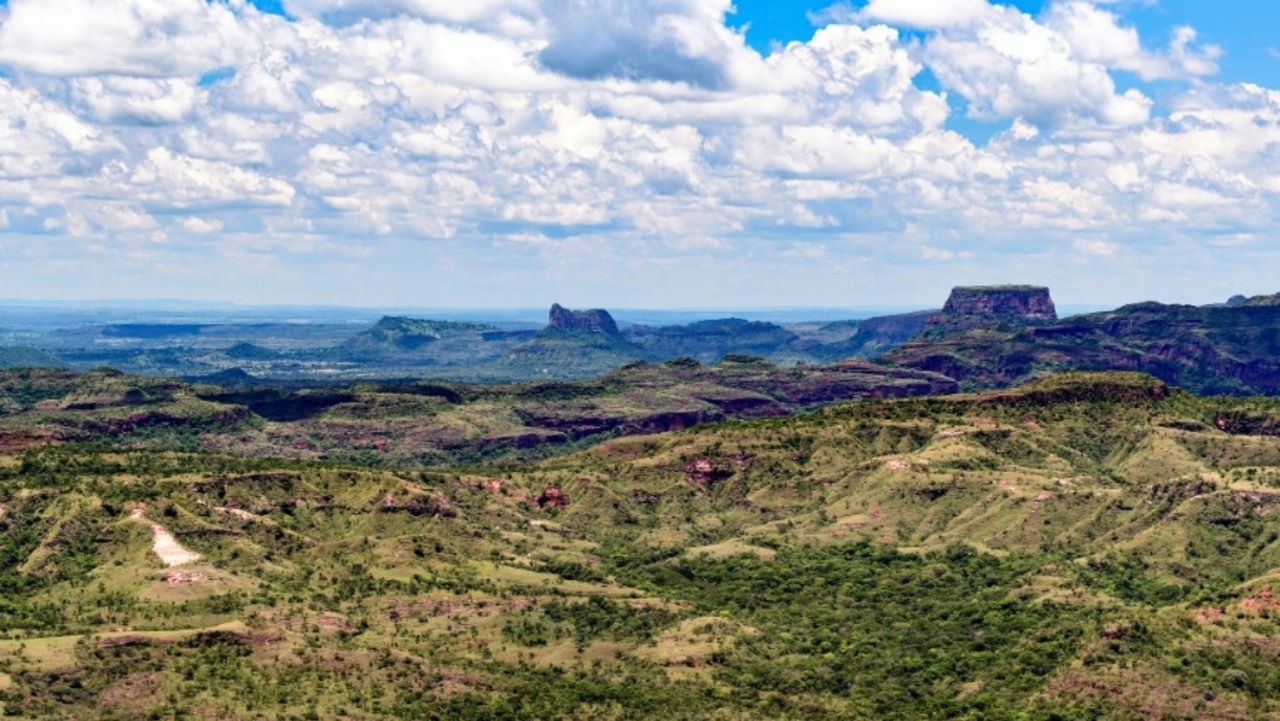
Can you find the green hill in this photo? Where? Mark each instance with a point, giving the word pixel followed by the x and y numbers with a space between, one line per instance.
pixel 398 334
pixel 709 341
pixel 1088 546
pixel 26 357
pixel 1205 349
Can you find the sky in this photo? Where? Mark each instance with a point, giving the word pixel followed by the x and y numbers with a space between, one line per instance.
pixel 644 154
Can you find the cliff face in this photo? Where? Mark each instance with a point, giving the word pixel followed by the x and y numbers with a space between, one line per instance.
pixel 1217 349
pixel 967 307
pixel 582 321
pixel 876 336
pixel 1026 302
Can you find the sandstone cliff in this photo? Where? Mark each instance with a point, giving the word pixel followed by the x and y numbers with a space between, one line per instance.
pixel 982 305
pixel 582 321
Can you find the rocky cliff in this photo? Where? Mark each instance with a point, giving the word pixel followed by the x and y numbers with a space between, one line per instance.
pixel 982 305
pixel 1214 349
pixel 582 321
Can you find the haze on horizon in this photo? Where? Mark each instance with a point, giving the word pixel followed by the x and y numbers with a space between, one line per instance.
pixel 631 154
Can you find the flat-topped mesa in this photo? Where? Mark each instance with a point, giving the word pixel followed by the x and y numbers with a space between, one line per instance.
pixel 976 305
pixel 582 321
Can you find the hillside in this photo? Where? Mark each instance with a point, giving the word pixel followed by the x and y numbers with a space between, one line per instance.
pixel 397 334
pixel 709 341
pixel 1089 546
pixel 1205 349
pixel 423 422
pixel 870 337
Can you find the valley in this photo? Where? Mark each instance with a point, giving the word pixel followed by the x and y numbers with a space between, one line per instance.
pixel 1003 515
pixel 1086 546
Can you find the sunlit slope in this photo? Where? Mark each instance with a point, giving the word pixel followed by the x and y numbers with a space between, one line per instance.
pixel 1089 546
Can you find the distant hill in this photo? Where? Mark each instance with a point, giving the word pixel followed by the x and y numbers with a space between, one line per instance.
pixel 419 422
pixel 152 331
pixel 399 334
pixel 250 351
pixel 983 337
pixel 873 336
pixel 594 321
pixel 710 340
pixel 26 357
pixel 575 344
pixel 1206 349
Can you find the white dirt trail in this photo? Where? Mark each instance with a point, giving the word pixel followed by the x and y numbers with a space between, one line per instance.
pixel 164 545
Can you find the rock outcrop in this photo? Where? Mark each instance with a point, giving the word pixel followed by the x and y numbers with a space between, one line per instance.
pixel 582 321
pixel 552 497
pixel 1210 350
pixel 980 305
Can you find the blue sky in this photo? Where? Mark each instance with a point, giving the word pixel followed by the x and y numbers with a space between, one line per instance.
pixel 637 153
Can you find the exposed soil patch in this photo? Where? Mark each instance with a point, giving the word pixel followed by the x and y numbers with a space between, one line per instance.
pixel 132 692
pixel 182 578
pixel 1207 615
pixel 1148 695
pixel 164 545
pixel 1265 601
pixel 16 441
pixel 171 552
pixel 704 472
pixel 333 622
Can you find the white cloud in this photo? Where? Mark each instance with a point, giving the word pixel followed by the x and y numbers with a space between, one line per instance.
pixel 179 181
pixel 509 16
pixel 1193 61
pixel 116 99
pixel 1095 247
pixel 145 38
pixel 925 14
pixel 1097 35
pixel 929 252
pixel 122 217
pixel 1054 69
pixel 665 40
pixel 1010 65
pixel 202 226
pixel 646 130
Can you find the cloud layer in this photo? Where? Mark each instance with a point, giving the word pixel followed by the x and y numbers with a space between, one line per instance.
pixel 617 151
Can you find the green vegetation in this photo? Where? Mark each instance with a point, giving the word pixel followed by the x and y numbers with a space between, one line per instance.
pixel 1089 546
pixel 420 422
pixel 1216 349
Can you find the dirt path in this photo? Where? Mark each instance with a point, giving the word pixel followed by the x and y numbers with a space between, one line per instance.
pixel 164 545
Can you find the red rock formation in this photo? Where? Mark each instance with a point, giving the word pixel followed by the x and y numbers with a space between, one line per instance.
pixel 969 306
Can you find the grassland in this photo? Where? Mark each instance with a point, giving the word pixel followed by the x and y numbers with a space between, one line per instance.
pixel 1085 547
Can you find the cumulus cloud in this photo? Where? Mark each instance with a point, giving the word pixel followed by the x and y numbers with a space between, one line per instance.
pixel 1096 247
pixel 201 226
pixel 509 16
pixel 924 14
pixel 170 180
pixel 617 128
pixel 1097 35
pixel 116 99
pixel 668 40
pixel 1054 69
pixel 130 37
pixel 1010 65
